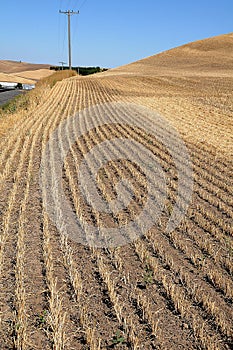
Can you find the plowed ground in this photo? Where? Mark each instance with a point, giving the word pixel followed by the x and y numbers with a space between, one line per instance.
pixel 164 291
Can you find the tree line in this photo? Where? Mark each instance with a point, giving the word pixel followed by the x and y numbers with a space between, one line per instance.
pixel 81 70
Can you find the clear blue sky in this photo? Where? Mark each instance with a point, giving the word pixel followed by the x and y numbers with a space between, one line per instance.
pixel 106 33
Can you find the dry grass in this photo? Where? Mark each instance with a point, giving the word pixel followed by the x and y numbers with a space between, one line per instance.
pixel 55 77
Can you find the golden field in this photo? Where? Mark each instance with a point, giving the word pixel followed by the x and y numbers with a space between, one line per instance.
pixel 166 290
pixel 22 72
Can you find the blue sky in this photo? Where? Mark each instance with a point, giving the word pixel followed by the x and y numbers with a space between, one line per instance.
pixel 106 33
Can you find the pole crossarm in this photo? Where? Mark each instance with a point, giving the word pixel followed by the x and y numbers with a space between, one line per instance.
pixel 71 12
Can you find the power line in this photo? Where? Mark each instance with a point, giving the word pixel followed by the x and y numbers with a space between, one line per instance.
pixel 83 3
pixel 62 32
pixel 69 13
pixel 63 40
pixel 69 3
pixel 59 30
pixel 74 3
pixel 74 32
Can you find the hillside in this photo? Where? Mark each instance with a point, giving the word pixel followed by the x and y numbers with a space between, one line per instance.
pixel 15 79
pixel 96 264
pixel 21 72
pixel 34 74
pixel 7 66
pixel 208 57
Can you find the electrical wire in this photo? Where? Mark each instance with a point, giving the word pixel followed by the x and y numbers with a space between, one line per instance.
pixel 69 4
pixel 83 3
pixel 76 24
pixel 76 20
pixel 75 4
pixel 62 32
pixel 75 30
pixel 59 28
pixel 63 43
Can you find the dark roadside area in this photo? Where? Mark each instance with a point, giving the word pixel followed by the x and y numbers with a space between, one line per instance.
pixel 7 95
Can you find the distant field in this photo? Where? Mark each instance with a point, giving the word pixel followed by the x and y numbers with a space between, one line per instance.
pixel 166 290
pixel 25 73
pixel 12 79
pixel 9 67
pixel 34 74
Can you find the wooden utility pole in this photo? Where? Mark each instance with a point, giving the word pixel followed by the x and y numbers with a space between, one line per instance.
pixel 69 13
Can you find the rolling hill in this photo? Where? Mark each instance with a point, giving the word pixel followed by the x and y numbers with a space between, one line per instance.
pixel 208 57
pixel 7 66
pixel 15 79
pixel 33 74
pixel 21 72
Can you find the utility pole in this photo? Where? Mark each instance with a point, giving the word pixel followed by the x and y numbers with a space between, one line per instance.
pixel 62 63
pixel 69 13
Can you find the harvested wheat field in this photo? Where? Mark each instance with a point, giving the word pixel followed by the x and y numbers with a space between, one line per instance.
pixel 12 79
pixel 166 289
pixel 7 66
pixel 22 72
pixel 34 74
